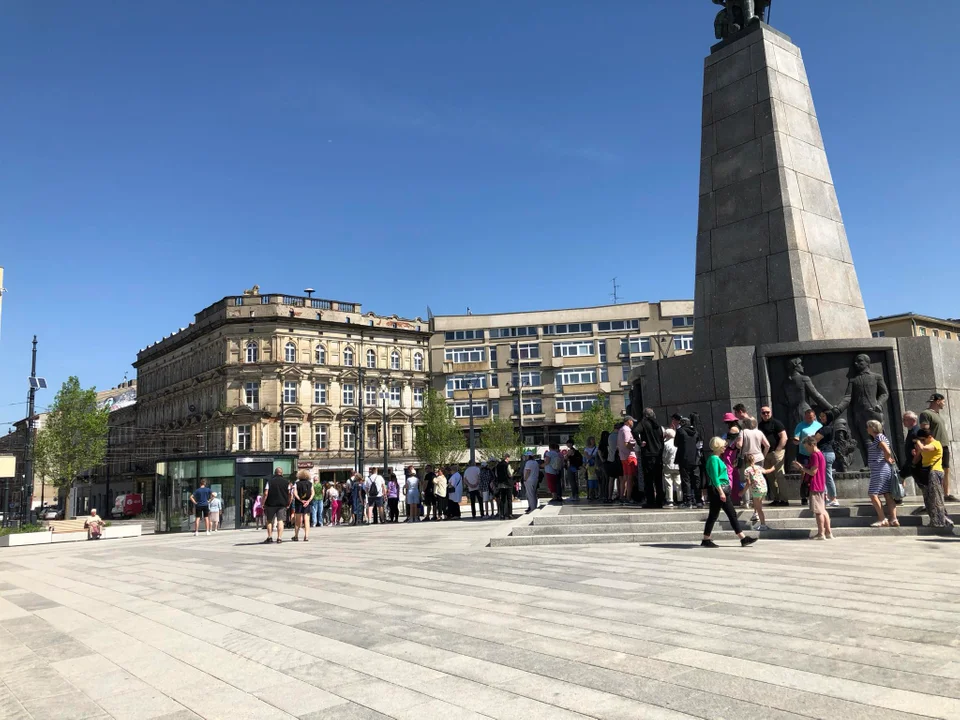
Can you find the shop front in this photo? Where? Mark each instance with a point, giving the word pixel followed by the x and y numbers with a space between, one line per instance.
pixel 237 480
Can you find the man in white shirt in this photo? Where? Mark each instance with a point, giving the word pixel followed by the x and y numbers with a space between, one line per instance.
pixel 454 493
pixel 376 488
pixel 472 477
pixel 531 476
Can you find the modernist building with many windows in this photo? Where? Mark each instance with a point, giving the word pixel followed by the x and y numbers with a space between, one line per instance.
pixel 542 369
pixel 279 374
pixel 913 325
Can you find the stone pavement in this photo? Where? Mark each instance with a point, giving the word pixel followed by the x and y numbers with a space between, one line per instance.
pixel 423 621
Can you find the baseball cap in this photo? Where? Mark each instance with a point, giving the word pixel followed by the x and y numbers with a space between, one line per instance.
pixel 935 397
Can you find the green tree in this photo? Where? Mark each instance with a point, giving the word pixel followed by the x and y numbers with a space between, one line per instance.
pixel 498 438
pixel 439 439
pixel 73 438
pixel 594 421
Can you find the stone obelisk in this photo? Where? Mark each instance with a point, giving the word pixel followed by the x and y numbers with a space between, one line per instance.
pixel 773 263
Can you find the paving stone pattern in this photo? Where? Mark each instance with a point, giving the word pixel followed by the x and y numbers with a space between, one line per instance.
pixel 424 621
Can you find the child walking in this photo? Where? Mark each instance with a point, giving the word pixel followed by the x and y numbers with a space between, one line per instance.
pixel 756 486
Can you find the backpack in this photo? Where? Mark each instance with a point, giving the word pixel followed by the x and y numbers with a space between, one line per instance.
pixel 373 491
pixel 556 463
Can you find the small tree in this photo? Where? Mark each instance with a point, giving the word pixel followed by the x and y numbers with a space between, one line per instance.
pixel 74 437
pixel 498 438
pixel 439 440
pixel 594 421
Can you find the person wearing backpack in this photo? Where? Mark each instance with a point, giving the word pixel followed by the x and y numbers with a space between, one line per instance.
pixel 574 461
pixel 375 496
pixel 552 467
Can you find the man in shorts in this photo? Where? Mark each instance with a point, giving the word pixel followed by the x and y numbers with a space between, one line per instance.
pixel 931 421
pixel 627 449
pixel 302 499
pixel 200 499
pixel 277 499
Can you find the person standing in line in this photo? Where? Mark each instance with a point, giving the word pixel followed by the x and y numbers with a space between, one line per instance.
pixel 929 477
pixel 472 477
pixel 717 484
pixel 591 461
pixel 742 414
pixel 825 437
pixel 910 464
pixel 216 507
pixel 200 499
pixel 427 498
pixel 600 466
pixel 808 427
pixel 703 452
pixel 816 470
pixel 753 442
pixel 333 497
pixel 880 461
pixel 302 500
pixel 393 498
pixel 626 448
pixel 412 492
pixel 258 511
pixel 276 501
pixel 454 494
pixel 552 469
pixel 488 484
pixel 376 488
pixel 440 494
pixel 671 470
pixel 358 500
pixel 505 489
pixel 731 458
pixel 931 420
pixel 614 466
pixel 531 477
pixel 574 461
pixel 688 460
pixel 776 434
pixel 650 436
pixel 316 507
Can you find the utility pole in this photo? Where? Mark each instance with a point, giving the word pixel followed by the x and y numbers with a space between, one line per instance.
pixel 361 389
pixel 384 394
pixel 28 450
pixel 473 449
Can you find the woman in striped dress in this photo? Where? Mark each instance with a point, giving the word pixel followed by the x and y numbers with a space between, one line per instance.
pixel 880 461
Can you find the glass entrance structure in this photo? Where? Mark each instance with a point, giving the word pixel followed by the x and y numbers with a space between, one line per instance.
pixel 237 480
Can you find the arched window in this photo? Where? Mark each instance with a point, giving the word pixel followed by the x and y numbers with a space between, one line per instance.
pixel 320 355
pixel 371 359
pixel 253 352
pixel 394 360
pixel 290 353
pixel 418 361
pixel 348 357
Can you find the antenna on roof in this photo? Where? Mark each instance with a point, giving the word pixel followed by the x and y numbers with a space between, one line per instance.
pixel 614 295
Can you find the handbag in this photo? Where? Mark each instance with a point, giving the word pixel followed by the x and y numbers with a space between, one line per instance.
pixel 896 486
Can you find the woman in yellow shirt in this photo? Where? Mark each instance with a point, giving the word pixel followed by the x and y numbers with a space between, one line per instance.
pixel 930 479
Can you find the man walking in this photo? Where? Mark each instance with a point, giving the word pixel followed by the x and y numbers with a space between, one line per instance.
pixel 651 457
pixel 931 421
pixel 574 461
pixel 531 477
pixel 277 498
pixel 302 499
pixel 201 503
pixel 504 489
pixel 626 448
pixel 776 434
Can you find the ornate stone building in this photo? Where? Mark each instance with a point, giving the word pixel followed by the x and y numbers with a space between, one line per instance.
pixel 280 373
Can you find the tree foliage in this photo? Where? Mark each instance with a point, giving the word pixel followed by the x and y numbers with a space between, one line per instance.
pixel 594 421
pixel 439 440
pixel 74 436
pixel 498 438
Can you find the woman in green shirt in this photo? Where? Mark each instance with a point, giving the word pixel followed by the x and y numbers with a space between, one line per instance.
pixel 718 494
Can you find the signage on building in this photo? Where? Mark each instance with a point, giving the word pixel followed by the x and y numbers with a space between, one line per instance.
pixel 304 465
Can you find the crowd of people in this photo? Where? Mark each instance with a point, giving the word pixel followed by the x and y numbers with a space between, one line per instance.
pixel 635 463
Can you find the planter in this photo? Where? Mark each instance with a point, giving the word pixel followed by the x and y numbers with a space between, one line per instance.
pixel 31 538
pixel 122 531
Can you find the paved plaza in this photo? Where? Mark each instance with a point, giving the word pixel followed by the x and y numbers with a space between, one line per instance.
pixel 424 621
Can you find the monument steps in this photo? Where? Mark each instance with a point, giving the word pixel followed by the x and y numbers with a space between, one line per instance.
pixel 580 525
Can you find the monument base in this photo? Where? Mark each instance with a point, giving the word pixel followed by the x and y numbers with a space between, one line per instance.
pixel 712 382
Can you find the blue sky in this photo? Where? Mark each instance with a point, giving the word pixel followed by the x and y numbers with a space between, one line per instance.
pixel 157 156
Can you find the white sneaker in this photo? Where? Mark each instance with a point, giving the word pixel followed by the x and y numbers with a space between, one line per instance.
pixel 208 532
pixel 762 527
pixel 754 517
pixel 833 503
pixel 819 537
pixel 194 533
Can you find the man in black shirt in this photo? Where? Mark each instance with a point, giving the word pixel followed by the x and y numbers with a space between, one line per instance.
pixel 650 438
pixel 277 498
pixel 776 434
pixel 504 489
pixel 429 497
pixel 302 497
pixel 574 460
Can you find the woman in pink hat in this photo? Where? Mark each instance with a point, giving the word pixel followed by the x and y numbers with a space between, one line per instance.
pixel 731 455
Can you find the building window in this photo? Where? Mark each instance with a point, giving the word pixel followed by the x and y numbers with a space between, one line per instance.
pixel 251 395
pixel 922 330
pixel 936 333
pixel 264 299
pixel 464 335
pixel 568 329
pixel 319 393
pixel 290 392
pixel 418 361
pixel 394 360
pixel 349 394
pixel 573 349
pixel 682 322
pixel 513 332
pixel 290 353
pixel 465 382
pixel 575 403
pixel 463 355
pixel 396 437
pixel 253 352
pixel 636 345
pixel 371 359
pixel 244 438
pixel 493 358
pixel 320 437
pixel 349 437
pixel 879 333
pixel 320 355
pixel 613 325
pixel 370 395
pixel 529 378
pixel 395 392
pixel 494 380
pixel 238 301
pixel 525 351
pixel 683 342
pixel 947 335
pixel 462 410
pixel 604 374
pixel 531 406
pixel 290 436
pixel 373 436
pixel 348 357
pixel 418 397
pixel 602 344
pixel 576 376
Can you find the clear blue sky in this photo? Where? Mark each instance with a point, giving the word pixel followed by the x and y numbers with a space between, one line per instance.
pixel 157 156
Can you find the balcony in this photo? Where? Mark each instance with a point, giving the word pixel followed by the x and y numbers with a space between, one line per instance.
pixel 478 394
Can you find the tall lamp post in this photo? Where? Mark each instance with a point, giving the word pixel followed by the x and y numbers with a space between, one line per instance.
pixel 473 443
pixel 35 384
pixel 361 389
pixel 383 396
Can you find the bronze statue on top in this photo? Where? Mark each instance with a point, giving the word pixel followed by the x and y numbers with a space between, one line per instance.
pixel 736 15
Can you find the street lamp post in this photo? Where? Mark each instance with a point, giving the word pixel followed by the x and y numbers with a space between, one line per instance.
pixel 473 448
pixel 383 395
pixel 362 430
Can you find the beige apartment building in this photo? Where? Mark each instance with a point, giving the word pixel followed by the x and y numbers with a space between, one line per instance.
pixel 542 369
pixel 913 325
pixel 283 374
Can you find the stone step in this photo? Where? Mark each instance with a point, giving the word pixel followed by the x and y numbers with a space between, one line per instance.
pixel 694 537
